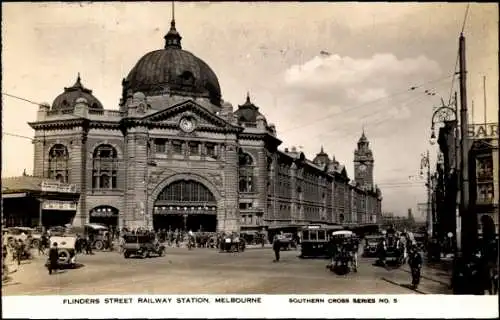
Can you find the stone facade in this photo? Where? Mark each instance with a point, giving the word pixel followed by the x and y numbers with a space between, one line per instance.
pixel 175 149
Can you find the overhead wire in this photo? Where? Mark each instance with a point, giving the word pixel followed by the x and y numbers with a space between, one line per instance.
pixel 328 116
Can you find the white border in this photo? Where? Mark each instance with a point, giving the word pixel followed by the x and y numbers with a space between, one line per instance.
pixel 270 306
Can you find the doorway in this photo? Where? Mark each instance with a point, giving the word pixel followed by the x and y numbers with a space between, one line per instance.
pixel 202 222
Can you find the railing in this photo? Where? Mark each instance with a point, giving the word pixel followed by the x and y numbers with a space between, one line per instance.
pixel 97 112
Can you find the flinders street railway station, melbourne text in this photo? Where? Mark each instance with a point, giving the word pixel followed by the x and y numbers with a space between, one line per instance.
pixel 175 155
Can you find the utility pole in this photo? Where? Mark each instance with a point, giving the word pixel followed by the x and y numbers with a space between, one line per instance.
pixel 457 243
pixel 425 164
pixel 468 219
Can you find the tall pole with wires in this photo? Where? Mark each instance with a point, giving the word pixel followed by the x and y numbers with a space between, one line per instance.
pixel 469 219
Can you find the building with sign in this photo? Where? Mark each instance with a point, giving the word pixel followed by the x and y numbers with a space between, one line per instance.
pixel 483 175
pixel 175 155
pixel 32 201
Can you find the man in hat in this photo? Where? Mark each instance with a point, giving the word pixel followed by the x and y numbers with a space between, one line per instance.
pixel 415 262
pixel 53 263
pixel 276 248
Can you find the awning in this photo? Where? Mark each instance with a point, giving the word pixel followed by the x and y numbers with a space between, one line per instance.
pixel 14 195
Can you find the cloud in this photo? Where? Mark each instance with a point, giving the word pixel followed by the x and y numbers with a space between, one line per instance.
pixel 357 80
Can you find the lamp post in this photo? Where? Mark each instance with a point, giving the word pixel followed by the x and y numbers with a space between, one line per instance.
pixel 446 114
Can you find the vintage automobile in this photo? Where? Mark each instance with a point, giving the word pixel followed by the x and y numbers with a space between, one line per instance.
pixel 340 251
pixel 143 246
pixel 395 251
pixel 232 243
pixel 66 249
pixel 25 234
pixel 94 230
pixel 371 245
pixel 286 241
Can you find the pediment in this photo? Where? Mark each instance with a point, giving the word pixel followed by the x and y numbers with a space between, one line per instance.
pixel 202 118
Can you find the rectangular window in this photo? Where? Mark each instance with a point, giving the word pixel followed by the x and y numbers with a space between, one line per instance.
pixel 305 235
pixel 160 146
pixel 210 147
pixel 177 147
pixel 243 206
pixel 193 149
pixel 313 235
pixel 485 193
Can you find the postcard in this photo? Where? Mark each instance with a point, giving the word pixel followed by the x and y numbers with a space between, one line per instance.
pixel 249 159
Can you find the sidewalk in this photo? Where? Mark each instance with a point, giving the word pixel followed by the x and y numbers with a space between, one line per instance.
pixel 440 275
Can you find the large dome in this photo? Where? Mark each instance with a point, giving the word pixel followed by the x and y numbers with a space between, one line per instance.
pixel 67 99
pixel 173 70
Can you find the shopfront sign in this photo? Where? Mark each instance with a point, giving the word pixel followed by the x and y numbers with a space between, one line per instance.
pixel 58 205
pixel 483 131
pixel 184 210
pixel 58 187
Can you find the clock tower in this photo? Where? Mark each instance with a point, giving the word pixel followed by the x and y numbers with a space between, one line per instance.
pixel 363 163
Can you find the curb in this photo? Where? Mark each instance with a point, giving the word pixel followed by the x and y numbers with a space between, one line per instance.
pixel 401 285
pixel 429 278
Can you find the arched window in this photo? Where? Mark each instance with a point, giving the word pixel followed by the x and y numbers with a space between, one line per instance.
pixel 105 167
pixel 59 163
pixel 246 166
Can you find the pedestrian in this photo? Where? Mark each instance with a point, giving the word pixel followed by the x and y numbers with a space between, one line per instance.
pixel 276 248
pixel 19 251
pixel 88 246
pixel 53 263
pixel 41 245
pixel 415 262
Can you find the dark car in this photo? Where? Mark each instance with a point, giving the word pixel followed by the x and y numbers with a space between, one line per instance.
pixel 371 245
pixel 143 246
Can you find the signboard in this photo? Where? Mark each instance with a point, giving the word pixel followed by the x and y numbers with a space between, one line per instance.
pixel 176 210
pixel 483 131
pixel 58 205
pixel 58 187
pixel 14 195
pixel 103 212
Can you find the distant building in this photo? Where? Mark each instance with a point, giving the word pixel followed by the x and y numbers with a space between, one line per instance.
pixel 175 155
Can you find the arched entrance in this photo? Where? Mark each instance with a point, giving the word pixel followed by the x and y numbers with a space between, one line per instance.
pixel 106 215
pixel 185 205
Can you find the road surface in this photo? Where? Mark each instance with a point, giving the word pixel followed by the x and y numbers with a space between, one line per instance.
pixel 206 271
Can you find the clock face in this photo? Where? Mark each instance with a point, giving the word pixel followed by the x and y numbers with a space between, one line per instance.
pixel 362 168
pixel 187 125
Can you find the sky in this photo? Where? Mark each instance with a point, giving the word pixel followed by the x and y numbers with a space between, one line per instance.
pixel 321 72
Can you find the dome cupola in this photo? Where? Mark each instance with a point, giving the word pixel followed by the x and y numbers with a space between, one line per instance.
pixel 174 71
pixel 67 99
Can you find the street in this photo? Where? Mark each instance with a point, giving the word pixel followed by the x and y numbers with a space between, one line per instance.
pixel 206 271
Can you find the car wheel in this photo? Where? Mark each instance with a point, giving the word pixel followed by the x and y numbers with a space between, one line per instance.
pixel 99 245
pixel 35 243
pixel 64 256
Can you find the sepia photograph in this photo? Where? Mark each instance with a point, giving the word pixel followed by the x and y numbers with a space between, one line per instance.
pixel 214 153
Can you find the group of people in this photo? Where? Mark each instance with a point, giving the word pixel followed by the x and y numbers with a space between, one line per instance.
pixel 343 253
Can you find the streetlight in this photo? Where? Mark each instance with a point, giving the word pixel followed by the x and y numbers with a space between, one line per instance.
pixel 444 113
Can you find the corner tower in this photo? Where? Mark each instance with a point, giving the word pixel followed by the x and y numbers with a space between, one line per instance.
pixel 363 163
